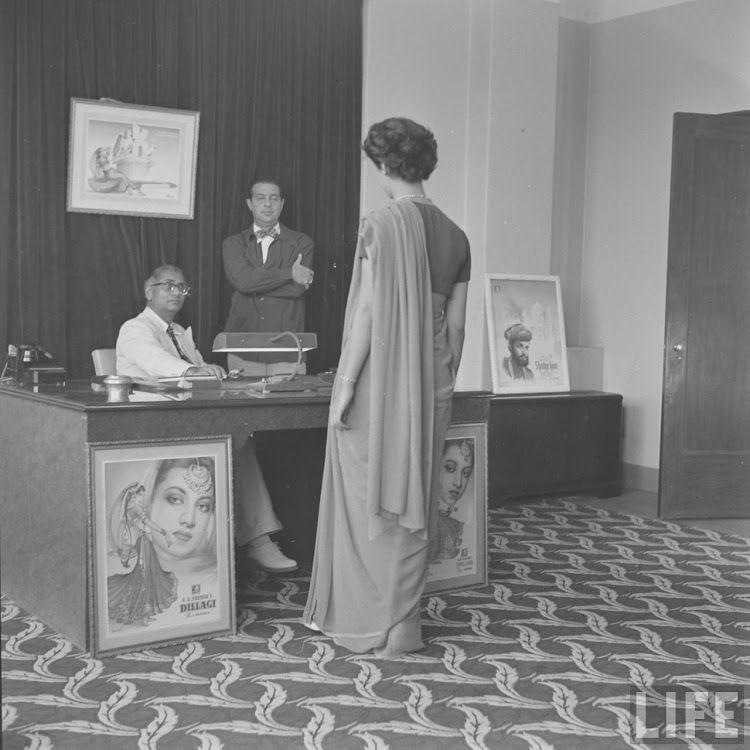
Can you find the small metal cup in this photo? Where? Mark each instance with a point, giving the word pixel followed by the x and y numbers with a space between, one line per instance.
pixel 118 387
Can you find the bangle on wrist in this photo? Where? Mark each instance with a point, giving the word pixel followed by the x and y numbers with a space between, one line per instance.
pixel 347 380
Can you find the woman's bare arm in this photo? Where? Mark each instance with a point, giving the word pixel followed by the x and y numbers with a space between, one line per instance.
pixel 455 319
pixel 357 350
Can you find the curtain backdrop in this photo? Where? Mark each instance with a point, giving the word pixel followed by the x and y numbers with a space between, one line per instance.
pixel 278 88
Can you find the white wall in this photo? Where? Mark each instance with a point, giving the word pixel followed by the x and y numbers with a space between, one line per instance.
pixel 570 169
pixel 482 75
pixel 691 57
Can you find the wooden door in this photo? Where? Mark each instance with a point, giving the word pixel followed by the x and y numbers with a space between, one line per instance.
pixel 705 439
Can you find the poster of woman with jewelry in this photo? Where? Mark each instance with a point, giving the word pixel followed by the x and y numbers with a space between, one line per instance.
pixel 457 545
pixel 163 543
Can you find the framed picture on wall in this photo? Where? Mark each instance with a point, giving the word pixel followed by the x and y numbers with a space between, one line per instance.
pixel 526 333
pixel 131 159
pixel 162 549
pixel 458 556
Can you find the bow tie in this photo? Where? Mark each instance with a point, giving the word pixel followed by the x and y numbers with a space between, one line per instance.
pixel 261 233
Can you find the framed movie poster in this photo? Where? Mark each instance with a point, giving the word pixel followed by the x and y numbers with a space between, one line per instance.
pixel 162 547
pixel 458 552
pixel 527 334
pixel 131 159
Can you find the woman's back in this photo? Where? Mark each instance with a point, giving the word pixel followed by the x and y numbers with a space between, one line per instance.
pixel 447 248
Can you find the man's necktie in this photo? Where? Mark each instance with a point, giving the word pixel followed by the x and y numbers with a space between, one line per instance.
pixel 261 233
pixel 170 331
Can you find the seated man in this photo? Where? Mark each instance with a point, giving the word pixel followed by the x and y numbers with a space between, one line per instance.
pixel 152 345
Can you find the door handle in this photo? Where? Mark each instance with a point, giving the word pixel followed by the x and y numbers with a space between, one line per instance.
pixel 678 347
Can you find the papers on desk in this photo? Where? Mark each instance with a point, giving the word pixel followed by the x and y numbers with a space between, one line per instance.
pixel 176 384
pixel 189 379
pixel 161 396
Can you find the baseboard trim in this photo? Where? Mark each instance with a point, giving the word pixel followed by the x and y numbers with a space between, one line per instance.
pixel 637 477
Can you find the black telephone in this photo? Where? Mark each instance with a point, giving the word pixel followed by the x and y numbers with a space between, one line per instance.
pixel 31 363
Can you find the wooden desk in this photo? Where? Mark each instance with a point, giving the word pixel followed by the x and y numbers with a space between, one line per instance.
pixel 538 444
pixel 44 492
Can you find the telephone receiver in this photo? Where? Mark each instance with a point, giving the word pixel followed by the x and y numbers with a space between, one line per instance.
pixel 32 359
pixel 33 354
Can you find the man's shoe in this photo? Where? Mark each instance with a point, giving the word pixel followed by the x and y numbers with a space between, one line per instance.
pixel 265 554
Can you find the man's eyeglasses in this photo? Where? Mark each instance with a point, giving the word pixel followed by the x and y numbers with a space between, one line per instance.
pixel 171 287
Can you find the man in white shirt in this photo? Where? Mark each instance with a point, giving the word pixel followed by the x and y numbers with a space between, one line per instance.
pixel 152 345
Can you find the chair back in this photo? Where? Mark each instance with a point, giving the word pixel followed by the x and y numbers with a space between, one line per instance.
pixel 104 361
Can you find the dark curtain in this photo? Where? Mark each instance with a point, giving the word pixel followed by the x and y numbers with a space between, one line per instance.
pixel 278 88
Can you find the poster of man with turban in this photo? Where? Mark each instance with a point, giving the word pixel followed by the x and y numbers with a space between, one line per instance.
pixel 526 333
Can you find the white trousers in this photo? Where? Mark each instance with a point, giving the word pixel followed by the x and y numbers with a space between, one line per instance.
pixel 253 510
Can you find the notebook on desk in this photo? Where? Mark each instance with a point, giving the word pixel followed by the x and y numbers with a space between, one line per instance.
pixel 158 385
pixel 194 380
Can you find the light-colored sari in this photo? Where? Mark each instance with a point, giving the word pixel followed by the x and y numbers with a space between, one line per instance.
pixel 375 513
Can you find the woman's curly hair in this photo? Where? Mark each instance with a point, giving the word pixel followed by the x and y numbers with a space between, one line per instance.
pixel 407 149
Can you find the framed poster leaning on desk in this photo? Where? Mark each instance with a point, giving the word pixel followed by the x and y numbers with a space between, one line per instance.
pixel 162 543
pixel 458 552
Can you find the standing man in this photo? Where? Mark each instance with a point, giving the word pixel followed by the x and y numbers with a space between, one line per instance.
pixel 270 268
pixel 516 366
pixel 153 345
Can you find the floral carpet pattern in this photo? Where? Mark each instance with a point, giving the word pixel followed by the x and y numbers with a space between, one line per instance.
pixel 582 607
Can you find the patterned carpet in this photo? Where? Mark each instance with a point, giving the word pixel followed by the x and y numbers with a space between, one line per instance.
pixel 582 606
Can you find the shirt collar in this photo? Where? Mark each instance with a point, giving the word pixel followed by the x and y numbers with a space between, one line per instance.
pixel 163 325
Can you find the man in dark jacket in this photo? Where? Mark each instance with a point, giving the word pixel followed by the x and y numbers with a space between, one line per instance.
pixel 270 268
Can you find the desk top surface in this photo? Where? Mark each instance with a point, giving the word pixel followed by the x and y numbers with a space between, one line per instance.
pixel 79 395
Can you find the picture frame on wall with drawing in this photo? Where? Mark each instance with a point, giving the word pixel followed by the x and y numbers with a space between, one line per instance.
pixel 132 159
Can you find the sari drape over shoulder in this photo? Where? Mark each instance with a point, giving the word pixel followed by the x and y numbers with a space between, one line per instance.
pixel 401 372
pixel 371 545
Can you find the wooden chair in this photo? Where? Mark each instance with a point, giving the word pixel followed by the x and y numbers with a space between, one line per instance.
pixel 104 361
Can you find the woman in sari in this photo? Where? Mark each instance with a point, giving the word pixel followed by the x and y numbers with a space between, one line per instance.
pixel 390 406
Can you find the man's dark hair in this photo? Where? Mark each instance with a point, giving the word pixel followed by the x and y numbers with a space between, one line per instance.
pixel 270 180
pixel 407 149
